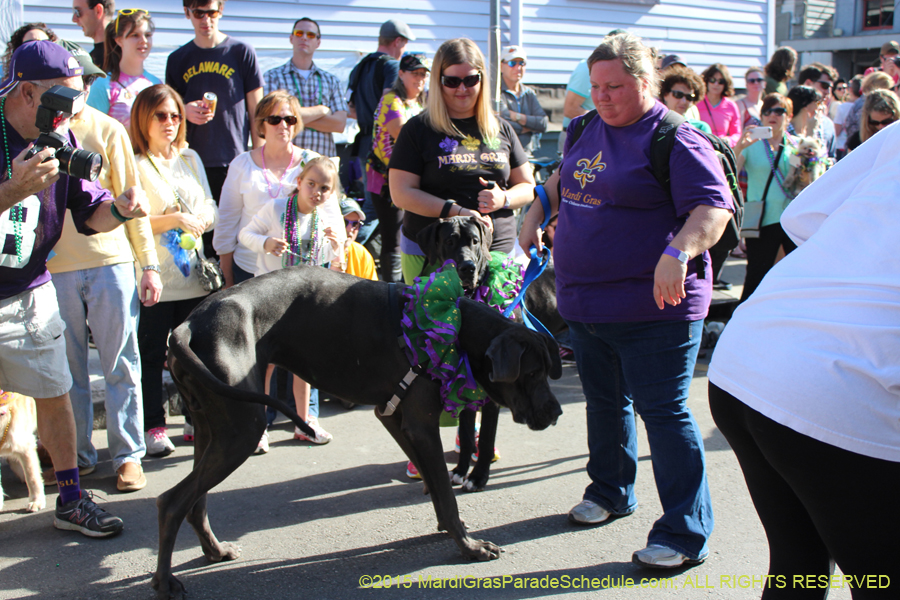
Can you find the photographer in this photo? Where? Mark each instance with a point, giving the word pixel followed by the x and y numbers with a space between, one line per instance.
pixel 34 196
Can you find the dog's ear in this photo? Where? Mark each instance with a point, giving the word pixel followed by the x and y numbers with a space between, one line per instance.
pixel 553 351
pixel 429 241
pixel 487 238
pixel 505 354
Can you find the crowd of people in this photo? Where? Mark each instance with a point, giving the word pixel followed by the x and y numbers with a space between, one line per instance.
pixel 222 160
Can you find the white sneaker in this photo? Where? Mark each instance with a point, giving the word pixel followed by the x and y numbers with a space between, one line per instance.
pixel 655 556
pixel 322 436
pixel 158 442
pixel 263 446
pixel 588 513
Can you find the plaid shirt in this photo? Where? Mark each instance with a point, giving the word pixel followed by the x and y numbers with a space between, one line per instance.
pixel 320 87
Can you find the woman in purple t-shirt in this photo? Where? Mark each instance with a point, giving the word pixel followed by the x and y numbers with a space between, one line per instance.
pixel 626 253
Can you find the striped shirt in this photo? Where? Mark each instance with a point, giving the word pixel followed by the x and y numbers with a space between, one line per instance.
pixel 320 87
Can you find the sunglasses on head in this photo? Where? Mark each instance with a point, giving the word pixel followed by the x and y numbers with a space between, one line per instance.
pixel 756 80
pixel 516 62
pixel 777 110
pixel 720 81
pixel 679 95
pixel 352 224
pixel 469 81
pixel 884 123
pixel 310 35
pixel 127 12
pixel 275 120
pixel 162 117
pixel 212 14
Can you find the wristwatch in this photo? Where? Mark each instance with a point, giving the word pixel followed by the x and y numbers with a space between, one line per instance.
pixel 676 253
pixel 151 268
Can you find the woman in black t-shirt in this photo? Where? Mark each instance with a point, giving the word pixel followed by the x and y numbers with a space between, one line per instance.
pixel 446 160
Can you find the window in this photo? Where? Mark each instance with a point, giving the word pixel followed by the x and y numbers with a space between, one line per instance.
pixel 878 14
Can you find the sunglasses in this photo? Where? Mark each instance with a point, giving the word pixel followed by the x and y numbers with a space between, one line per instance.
pixel 275 120
pixel 310 35
pixel 352 224
pixel 756 80
pixel 720 81
pixel 826 85
pixel 516 62
pixel 840 88
pixel 77 13
pixel 469 81
pixel 212 14
pixel 778 110
pixel 886 122
pixel 679 95
pixel 162 117
pixel 127 12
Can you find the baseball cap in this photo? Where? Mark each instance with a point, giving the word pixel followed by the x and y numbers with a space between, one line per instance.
pixel 890 48
pixel 83 58
pixel 41 59
pixel 414 60
pixel 511 52
pixel 394 28
pixel 349 205
pixel 671 59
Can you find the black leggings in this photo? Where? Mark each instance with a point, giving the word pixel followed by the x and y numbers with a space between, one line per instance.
pixel 761 254
pixel 818 503
pixel 389 220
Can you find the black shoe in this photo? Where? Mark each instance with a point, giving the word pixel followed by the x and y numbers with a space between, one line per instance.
pixel 721 285
pixel 85 516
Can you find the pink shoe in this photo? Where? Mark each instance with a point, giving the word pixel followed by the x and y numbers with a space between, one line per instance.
pixel 411 471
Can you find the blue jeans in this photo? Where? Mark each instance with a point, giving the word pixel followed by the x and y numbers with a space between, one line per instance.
pixel 107 297
pixel 368 226
pixel 645 367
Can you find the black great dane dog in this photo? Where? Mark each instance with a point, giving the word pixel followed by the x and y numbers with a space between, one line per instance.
pixel 467 241
pixel 218 359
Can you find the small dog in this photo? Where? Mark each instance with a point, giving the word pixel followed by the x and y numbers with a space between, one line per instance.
pixel 807 164
pixel 18 420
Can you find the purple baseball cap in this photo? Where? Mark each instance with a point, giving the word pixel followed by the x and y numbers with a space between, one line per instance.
pixel 41 59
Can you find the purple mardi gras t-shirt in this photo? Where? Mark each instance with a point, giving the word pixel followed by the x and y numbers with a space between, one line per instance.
pixel 615 220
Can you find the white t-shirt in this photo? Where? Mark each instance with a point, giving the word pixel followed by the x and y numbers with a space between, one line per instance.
pixel 817 346
pixel 841 115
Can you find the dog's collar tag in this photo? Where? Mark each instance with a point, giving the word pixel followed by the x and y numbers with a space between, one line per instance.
pixel 404 384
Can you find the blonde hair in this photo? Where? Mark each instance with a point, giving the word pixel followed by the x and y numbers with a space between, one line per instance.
pixel 327 165
pixel 638 60
pixel 268 105
pixel 457 52
pixel 879 80
pixel 884 101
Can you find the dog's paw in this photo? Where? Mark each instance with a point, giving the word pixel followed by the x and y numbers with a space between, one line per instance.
pixel 456 478
pixel 225 551
pixel 470 485
pixel 37 504
pixel 171 590
pixel 481 550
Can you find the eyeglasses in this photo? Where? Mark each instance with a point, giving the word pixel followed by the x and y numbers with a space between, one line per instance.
pixel 77 13
pixel 778 110
pixel 826 85
pixel 756 80
pixel 720 81
pixel 212 14
pixel 310 35
pixel 162 117
pixel 352 224
pixel 679 95
pixel 275 120
pixel 469 81
pixel 886 122
pixel 127 12
pixel 516 62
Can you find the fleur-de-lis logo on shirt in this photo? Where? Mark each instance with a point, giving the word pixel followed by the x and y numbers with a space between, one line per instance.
pixel 586 174
pixel 448 145
pixel 471 143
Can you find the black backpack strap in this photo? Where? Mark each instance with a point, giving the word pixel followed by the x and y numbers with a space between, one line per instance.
pixel 661 147
pixel 581 124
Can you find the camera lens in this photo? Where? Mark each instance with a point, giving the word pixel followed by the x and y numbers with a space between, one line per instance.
pixel 79 163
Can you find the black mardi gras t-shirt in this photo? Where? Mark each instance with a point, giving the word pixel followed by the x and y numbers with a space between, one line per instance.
pixel 449 168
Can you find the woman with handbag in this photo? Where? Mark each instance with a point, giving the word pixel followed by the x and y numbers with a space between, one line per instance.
pixel 181 210
pixel 767 164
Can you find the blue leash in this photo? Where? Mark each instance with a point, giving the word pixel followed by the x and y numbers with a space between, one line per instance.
pixel 533 271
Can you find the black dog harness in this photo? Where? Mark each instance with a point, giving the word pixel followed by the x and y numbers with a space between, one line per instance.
pixel 400 393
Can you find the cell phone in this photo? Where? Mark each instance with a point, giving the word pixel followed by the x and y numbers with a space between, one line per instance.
pixel 761 133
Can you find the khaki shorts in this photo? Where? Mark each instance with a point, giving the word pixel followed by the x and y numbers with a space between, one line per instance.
pixel 32 346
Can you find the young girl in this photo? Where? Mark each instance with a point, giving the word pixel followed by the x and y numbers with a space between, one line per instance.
pixel 306 229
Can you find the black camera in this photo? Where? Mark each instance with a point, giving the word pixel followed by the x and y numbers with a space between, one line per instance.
pixel 58 104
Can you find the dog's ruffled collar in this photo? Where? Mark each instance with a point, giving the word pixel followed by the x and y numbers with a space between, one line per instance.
pixel 430 322
pixel 501 284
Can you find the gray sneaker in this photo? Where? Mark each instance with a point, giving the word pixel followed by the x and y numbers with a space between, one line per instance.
pixel 588 513
pixel 655 556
